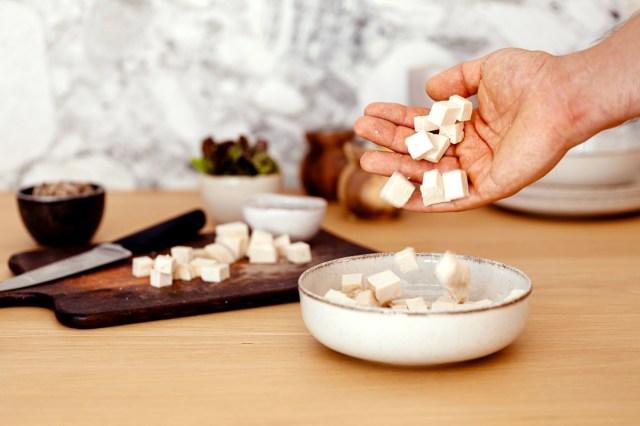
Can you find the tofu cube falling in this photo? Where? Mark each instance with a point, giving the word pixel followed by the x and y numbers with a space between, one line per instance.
pixel 406 260
pixel 397 190
pixel 454 276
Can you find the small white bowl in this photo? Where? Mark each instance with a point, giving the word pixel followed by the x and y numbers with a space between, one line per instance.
pixel 299 216
pixel 224 195
pixel 415 338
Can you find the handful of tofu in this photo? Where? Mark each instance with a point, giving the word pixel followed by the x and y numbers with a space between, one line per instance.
pixel 212 262
pixel 384 289
pixel 446 118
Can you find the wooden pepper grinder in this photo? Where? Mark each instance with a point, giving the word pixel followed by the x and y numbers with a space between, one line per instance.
pixel 324 161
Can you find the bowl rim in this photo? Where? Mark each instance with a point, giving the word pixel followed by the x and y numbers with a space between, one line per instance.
pixel 239 177
pixel 299 202
pixel 387 311
pixel 22 194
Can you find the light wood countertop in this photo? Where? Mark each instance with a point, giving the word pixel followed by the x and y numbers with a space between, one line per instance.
pixel 577 361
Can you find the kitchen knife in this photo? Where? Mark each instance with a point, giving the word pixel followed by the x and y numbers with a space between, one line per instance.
pixel 156 237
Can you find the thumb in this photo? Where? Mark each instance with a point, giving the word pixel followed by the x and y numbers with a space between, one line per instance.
pixel 463 79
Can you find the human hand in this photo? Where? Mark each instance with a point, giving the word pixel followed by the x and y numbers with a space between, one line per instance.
pixel 521 129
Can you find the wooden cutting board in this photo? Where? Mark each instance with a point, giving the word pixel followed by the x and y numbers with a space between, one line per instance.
pixel 112 296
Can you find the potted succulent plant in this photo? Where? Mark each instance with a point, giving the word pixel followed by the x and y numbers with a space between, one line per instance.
pixel 230 171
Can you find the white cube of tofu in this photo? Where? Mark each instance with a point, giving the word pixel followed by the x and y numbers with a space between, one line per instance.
pixel 466 107
pixel 441 144
pixel 281 243
pixel 454 276
pixel 422 122
pixel 160 279
pixel 455 184
pixel 200 253
pixel 141 266
pixel 233 229
pixel 455 132
pixel 515 293
pixel 444 113
pixel 184 272
pixel 406 260
pixel 258 236
pixel 432 188
pixel 336 296
pixel 365 298
pixel 400 303
pixel 237 244
pixel 199 262
pixel 442 306
pixel 220 253
pixel 352 283
pixel 215 273
pixel 416 304
pixel 182 254
pixel 419 145
pixel 397 190
pixel 164 263
pixel 299 252
pixel 262 253
pixel 386 286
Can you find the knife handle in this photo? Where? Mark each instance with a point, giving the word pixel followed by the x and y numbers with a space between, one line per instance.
pixel 165 234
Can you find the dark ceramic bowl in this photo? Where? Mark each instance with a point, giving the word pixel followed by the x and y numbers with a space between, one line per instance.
pixel 61 221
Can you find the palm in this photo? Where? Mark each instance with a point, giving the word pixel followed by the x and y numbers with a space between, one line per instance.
pixel 506 142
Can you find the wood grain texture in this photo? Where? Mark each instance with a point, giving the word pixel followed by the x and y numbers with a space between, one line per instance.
pixel 112 296
pixel 577 361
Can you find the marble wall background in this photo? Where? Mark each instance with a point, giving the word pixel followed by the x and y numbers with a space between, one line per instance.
pixel 122 91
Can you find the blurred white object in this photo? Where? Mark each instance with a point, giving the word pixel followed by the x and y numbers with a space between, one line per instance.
pixel 298 216
pixel 608 158
pixel 225 195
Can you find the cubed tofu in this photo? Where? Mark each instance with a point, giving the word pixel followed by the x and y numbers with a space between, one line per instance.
pixel 281 243
pixel 160 279
pixel 234 229
pixel 199 262
pixel 336 296
pixel 365 298
pixel 422 122
pixel 440 144
pixel 258 236
pixel 385 285
pixel 397 190
pixel 432 188
pixel 184 271
pixel 299 252
pixel 419 145
pixel 352 283
pixel 455 132
pixel 455 184
pixel 215 273
pixel 164 263
pixel 182 254
pixel 417 304
pixel 466 107
pixel 444 113
pixel 406 260
pixel 264 252
pixel 454 276
pixel 443 306
pixel 200 253
pixel 400 303
pixel 141 266
pixel 237 244
pixel 220 253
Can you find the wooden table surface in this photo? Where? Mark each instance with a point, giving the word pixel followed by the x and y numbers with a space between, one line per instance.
pixel 577 361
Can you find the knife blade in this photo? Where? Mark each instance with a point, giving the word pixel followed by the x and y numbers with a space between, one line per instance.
pixel 149 239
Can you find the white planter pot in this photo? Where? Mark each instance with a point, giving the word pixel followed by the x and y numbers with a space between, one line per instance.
pixel 224 195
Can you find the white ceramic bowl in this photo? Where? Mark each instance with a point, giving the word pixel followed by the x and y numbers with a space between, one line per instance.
pixel 224 196
pixel 299 216
pixel 611 157
pixel 415 338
